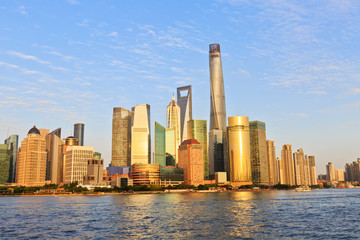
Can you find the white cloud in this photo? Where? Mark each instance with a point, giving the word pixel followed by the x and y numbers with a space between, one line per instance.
pixel 22 10
pixel 28 57
pixel 113 34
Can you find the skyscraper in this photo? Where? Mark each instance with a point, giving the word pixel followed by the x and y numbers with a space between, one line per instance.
pixel 259 161
pixel 140 134
pixel 184 99
pixel 54 149
pixel 339 175
pixel 121 138
pixel 76 166
pixel 31 164
pixel 330 172
pixel 313 178
pixel 12 142
pixel 299 167
pixel 197 129
pixel 216 152
pixel 4 163
pixel 79 132
pixel 159 145
pixel 171 149
pixel 273 168
pixel 288 165
pixel 239 150
pixel 173 114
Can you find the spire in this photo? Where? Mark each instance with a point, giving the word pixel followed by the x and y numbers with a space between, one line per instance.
pixel 173 97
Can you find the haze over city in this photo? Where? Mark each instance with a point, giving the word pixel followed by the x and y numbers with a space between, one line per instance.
pixel 294 67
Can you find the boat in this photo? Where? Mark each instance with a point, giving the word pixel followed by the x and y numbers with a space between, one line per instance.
pixel 303 189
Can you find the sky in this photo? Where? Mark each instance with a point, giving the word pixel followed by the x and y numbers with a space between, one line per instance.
pixel 292 64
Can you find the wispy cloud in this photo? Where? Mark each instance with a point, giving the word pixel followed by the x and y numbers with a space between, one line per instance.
pixel 352 91
pixel 28 57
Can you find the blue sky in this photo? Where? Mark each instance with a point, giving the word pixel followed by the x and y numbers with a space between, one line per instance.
pixel 293 64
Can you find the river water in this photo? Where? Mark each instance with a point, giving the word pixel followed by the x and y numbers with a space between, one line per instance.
pixel 319 214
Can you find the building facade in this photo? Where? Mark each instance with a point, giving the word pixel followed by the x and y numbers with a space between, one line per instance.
pixel 121 137
pixel 173 121
pixel 55 157
pixel 273 168
pixel 330 172
pixel 79 132
pixel 184 99
pixel 94 176
pixel 159 145
pixel 76 163
pixel 216 152
pixel 287 165
pixel 197 129
pixel 4 163
pixel 12 142
pixel 145 174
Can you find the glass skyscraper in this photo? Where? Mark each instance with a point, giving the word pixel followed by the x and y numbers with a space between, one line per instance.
pixel 159 132
pixel 79 132
pixel 4 163
pixel 12 142
pixel 121 138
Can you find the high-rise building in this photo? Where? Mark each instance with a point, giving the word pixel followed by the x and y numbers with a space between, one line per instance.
pixel 259 162
pixel 79 132
pixel 349 172
pixel 94 176
pixel 4 163
pixel 12 142
pixel 191 160
pixel 239 150
pixel 159 145
pixel 197 129
pixel 339 175
pixel 307 181
pixel 299 167
pixel 121 138
pixel 55 157
pixel 184 99
pixel 140 134
pixel 173 114
pixel 170 147
pixel 330 172
pixel 288 165
pixel 31 163
pixel 76 163
pixel 281 170
pixel 273 169
pixel 216 149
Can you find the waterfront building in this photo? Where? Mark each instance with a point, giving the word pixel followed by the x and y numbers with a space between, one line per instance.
pixel 79 132
pixel 69 141
pixel 170 175
pixel 4 163
pixel 94 176
pixel 184 99
pixel 121 137
pixel 330 172
pixel 259 161
pixel 117 170
pixel 31 163
pixel 339 175
pixel 170 147
pixel 197 129
pixel 192 161
pixel 349 172
pixel 273 171
pixel 239 150
pixel 140 134
pixel 159 146
pixel 217 139
pixel 173 121
pixel 76 163
pixel 145 174
pixel 288 165
pixel 299 167
pixel 307 180
pixel 12 143
pixel 280 170
pixel 55 157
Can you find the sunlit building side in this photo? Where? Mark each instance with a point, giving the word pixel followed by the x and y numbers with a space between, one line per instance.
pixel 273 169
pixel 159 145
pixel 4 163
pixel 76 164
pixel 173 121
pixel 184 99
pixel 288 165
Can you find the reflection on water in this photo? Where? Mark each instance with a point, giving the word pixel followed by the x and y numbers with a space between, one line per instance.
pixel 320 214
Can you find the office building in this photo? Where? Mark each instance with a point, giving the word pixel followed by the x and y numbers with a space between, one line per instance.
pixel 170 175
pixel 145 174
pixel 4 163
pixel 55 157
pixel 217 138
pixel 12 142
pixel 313 179
pixel 76 163
pixel 184 99
pixel 259 161
pixel 307 181
pixel 79 132
pixel 273 169
pixel 191 160
pixel 299 167
pixel 94 176
pixel 31 162
pixel 170 147
pixel 339 175
pixel 173 121
pixel 121 137
pixel 281 170
pixel 239 150
pixel 159 146
pixel 140 134
pixel 197 129
pixel 288 165
pixel 330 172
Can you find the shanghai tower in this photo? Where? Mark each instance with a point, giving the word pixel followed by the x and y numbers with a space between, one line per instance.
pixel 217 133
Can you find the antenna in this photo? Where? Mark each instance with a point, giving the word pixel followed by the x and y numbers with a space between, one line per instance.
pixel 7 133
pixel 213 38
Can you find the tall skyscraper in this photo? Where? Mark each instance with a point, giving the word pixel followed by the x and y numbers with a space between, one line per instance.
pixel 159 145
pixel 273 168
pixel 239 149
pixel 173 114
pixel 216 152
pixel 55 157
pixel 12 142
pixel 184 99
pixel 76 166
pixel 140 134
pixel 197 129
pixel 4 163
pixel 299 167
pixel 288 165
pixel 31 164
pixel 330 172
pixel 191 160
pixel 306 171
pixel 339 175
pixel 171 148
pixel 259 162
pixel 121 138
pixel 79 132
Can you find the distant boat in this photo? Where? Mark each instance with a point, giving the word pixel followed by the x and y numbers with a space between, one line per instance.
pixel 303 189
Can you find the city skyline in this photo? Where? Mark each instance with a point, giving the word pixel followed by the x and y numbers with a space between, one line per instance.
pixel 57 77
